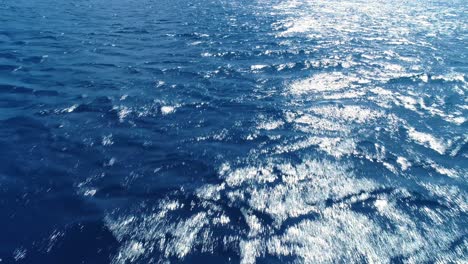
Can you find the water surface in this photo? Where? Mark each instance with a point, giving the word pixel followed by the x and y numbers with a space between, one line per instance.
pixel 144 131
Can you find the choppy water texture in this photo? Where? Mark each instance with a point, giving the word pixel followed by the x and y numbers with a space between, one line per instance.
pixel 144 131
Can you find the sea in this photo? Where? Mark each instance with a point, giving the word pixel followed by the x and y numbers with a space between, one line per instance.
pixel 233 131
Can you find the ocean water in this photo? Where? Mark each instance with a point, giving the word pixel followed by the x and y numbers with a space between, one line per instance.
pixel 216 131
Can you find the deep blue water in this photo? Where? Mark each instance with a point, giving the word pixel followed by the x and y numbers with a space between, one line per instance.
pixel 264 131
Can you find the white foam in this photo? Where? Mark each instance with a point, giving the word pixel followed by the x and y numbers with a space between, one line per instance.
pixel 381 204
pixel 250 250
pixel 258 67
pixel 283 66
pixel 19 254
pixel 404 163
pixel 348 113
pixel 314 123
pixel 427 140
pixel 206 54
pixel 333 146
pixel 445 171
pixel 123 112
pixel 90 192
pixel 160 84
pixel 70 109
pixel 222 220
pixel 270 125
pixel 344 95
pixel 107 140
pixel 167 109
pixel 322 82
